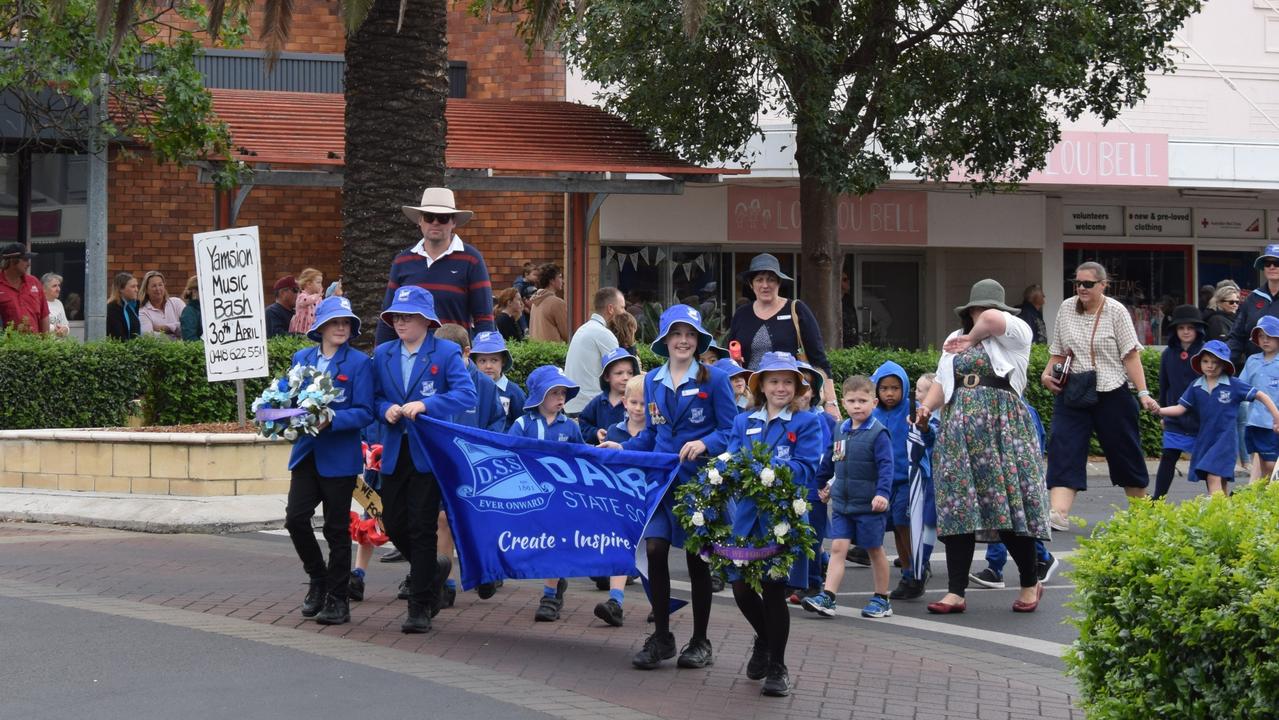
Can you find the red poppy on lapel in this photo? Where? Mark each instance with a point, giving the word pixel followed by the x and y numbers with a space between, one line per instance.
pixel 343 378
pixel 791 436
pixel 702 395
pixel 435 369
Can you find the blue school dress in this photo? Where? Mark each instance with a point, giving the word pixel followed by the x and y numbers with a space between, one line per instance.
pixel 337 447
pixel 1215 445
pixel 796 441
pixel 701 407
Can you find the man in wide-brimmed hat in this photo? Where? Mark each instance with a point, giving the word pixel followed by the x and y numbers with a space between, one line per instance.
pixel 453 271
pixel 22 301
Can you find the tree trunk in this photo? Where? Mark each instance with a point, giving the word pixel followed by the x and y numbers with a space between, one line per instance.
pixel 396 88
pixel 820 257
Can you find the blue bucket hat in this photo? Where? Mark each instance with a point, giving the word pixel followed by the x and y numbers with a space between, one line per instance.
pixel 1268 324
pixel 777 362
pixel 492 343
pixel 332 309
pixel 1217 349
pixel 542 380
pixel 681 314
pixel 814 378
pixel 618 354
pixel 731 368
pixel 1269 251
pixel 720 352
pixel 411 300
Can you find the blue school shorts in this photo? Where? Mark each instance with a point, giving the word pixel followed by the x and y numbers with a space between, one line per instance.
pixel 866 530
pixel 899 505
pixel 1262 441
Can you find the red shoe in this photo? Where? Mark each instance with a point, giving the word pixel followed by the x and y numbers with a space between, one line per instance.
pixel 1027 607
pixel 941 608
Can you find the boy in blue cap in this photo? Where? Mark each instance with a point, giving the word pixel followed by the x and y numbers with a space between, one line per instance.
pixel 606 409
pixel 544 419
pixel 416 374
pixel 1215 398
pixel 323 468
pixel 1262 372
pixel 490 355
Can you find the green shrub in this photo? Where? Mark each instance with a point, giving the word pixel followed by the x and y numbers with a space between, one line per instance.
pixel 46 383
pixel 1178 610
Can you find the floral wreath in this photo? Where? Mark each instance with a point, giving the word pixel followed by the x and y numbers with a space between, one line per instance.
pixel 298 409
pixel 702 506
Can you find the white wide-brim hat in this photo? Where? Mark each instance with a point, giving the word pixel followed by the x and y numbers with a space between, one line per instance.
pixel 437 200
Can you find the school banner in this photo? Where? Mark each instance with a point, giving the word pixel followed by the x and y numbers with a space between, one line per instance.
pixel 532 509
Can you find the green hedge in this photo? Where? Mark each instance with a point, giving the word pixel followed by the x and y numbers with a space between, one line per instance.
pixel 65 384
pixel 1178 610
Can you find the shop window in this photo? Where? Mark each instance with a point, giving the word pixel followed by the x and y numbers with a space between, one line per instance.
pixel 1236 265
pixel 59 223
pixel 654 277
pixel 1150 282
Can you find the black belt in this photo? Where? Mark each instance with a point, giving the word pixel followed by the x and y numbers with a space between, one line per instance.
pixel 972 380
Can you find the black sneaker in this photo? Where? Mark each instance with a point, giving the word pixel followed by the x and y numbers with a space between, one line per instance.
pixel 717 584
pixel 987 578
pixel 337 611
pixel 757 666
pixel 355 590
pixel 443 566
pixel 649 619
pixel 601 583
pixel 404 590
pixel 859 556
pixel 696 654
pixel 314 600
pixel 908 590
pixel 777 681
pixel 448 595
pixel 610 611
pixel 486 590
pixel 418 620
pixel 392 557
pixel 1045 570
pixel 656 648
pixel 548 608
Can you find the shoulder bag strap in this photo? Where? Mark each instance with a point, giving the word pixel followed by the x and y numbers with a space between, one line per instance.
pixel 1092 349
pixel 799 337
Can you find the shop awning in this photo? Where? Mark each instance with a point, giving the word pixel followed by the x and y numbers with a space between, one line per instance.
pixel 490 142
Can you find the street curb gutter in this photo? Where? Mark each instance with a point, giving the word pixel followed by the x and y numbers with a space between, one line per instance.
pixel 145 513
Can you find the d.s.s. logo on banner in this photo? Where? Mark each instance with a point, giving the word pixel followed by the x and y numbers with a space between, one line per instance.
pixel 500 482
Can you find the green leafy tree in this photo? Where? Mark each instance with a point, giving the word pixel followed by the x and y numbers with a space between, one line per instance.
pixel 976 85
pixel 55 53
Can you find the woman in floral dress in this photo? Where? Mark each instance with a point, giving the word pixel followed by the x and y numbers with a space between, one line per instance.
pixel 989 474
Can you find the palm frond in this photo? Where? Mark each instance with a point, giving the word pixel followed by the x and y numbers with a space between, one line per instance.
pixel 276 25
pixel 353 13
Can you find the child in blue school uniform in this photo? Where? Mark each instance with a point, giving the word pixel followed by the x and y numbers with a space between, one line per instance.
pixel 690 412
pixel 1215 397
pixel 784 424
pixel 416 374
pixel 489 353
pixel 1262 372
pixel 893 412
pixel 1186 336
pixel 544 419
pixel 636 417
pixel 738 376
pixel 323 468
pixel 819 514
pixel 617 366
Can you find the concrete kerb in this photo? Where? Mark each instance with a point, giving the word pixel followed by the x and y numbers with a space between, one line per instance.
pixel 145 513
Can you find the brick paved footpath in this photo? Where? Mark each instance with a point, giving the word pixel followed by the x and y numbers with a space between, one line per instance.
pixel 250 587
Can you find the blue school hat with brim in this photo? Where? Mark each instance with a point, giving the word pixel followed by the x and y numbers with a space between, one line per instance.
pixel 675 315
pixel 616 355
pixel 778 362
pixel 543 380
pixel 1217 349
pixel 1268 324
pixel 731 368
pixel 491 342
pixel 331 309
pixel 1269 251
pixel 721 353
pixel 815 379
pixel 411 300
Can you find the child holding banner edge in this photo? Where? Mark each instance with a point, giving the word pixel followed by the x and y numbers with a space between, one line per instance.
pixel 690 412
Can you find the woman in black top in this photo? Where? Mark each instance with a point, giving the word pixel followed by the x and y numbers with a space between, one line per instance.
pixel 122 308
pixel 768 324
pixel 1222 309
pixel 509 306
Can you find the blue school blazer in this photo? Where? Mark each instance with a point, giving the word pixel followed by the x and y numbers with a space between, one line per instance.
pixel 801 454
pixel 487 413
pixel 696 411
pixel 438 379
pixel 337 447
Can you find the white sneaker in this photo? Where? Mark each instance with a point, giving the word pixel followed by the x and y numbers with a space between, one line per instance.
pixel 1057 521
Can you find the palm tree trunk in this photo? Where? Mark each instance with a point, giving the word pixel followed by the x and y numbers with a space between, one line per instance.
pixel 396 87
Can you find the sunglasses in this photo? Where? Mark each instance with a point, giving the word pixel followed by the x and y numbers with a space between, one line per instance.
pixel 400 317
pixel 1270 263
pixel 1229 302
pixel 1087 284
pixel 441 218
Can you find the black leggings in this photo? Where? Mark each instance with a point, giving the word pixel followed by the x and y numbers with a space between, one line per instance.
pixel 959 556
pixel 1167 467
pixel 767 614
pixel 659 586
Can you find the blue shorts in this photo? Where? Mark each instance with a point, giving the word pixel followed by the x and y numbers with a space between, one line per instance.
pixel 1262 441
pixel 899 505
pixel 866 530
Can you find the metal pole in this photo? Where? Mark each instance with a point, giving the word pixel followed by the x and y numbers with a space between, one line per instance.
pixel 95 247
pixel 239 403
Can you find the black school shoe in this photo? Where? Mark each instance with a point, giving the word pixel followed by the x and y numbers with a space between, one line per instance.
pixel 337 611
pixel 403 592
pixel 657 647
pixel 610 612
pixel 418 620
pixel 696 654
pixel 908 589
pixel 548 608
pixel 858 556
pixel 717 584
pixel 777 682
pixel 486 590
pixel 314 600
pixel 355 589
pixel 392 557
pixel 757 666
pixel 601 583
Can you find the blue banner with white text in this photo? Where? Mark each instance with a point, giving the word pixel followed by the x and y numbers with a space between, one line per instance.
pixel 532 509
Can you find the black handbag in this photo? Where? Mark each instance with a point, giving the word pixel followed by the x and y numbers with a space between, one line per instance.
pixel 1080 391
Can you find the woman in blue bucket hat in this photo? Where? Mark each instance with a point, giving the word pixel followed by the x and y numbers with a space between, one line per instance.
pixel 323 468
pixel 1259 303
pixel 690 412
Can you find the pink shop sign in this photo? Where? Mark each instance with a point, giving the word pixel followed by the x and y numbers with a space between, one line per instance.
pixel 772 216
pixel 1103 158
